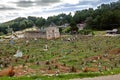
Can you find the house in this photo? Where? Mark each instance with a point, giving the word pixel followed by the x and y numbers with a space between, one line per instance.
pixel 51 32
pixel 114 31
pixel 81 26
pixel 64 25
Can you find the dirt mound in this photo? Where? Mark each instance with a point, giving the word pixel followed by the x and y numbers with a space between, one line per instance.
pixel 87 69
pixel 114 51
pixel 21 71
pixel 93 58
pixel 7 72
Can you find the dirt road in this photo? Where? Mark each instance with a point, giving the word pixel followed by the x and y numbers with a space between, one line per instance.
pixel 111 77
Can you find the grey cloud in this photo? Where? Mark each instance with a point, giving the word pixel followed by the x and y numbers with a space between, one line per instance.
pixel 24 3
pixel 46 2
pixel 3 8
pixel 30 3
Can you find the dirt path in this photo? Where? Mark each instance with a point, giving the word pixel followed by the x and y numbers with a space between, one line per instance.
pixel 111 77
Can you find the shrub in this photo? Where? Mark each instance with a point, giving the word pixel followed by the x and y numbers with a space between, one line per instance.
pixel 86 32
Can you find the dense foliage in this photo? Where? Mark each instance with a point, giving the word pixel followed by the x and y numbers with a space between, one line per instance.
pixel 104 17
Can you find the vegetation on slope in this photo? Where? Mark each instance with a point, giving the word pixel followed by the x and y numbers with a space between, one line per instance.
pixel 71 54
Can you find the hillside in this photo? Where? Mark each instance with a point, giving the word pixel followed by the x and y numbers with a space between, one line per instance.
pixel 72 54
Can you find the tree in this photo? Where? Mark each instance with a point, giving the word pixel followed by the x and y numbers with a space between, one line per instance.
pixel 9 30
pixel 73 26
pixel 89 22
pixel 33 19
pixel 22 25
pixel 40 22
pixel 28 23
pixel 1 33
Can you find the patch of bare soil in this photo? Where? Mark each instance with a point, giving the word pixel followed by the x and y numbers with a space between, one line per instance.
pixel 110 77
pixel 114 51
pixel 22 71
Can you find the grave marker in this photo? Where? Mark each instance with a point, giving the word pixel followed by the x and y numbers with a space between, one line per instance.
pixel 18 53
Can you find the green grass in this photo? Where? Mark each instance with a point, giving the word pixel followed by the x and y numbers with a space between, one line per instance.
pixel 99 32
pixel 70 53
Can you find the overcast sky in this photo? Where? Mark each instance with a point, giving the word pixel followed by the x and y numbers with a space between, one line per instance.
pixel 10 9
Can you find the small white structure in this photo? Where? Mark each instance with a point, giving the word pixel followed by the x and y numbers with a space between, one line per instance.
pixel 81 26
pixel 18 54
pixel 46 48
pixel 114 31
pixel 52 32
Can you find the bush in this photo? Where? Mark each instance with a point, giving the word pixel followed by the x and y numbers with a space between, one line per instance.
pixel 118 30
pixel 1 33
pixel 66 30
pixel 86 32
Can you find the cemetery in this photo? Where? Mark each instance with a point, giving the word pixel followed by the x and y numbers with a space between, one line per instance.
pixel 60 40
pixel 72 54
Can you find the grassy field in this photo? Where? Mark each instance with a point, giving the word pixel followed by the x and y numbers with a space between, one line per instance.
pixel 71 57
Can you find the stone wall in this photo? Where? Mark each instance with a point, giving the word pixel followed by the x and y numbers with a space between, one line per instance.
pixel 35 34
pixel 49 33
